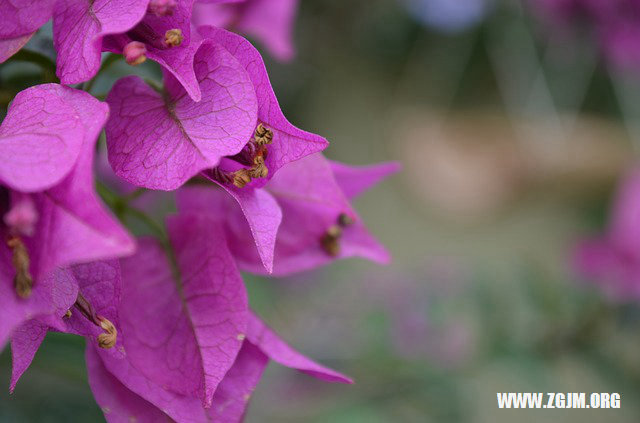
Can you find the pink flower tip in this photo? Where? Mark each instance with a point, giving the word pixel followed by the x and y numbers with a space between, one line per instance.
pixel 162 7
pixel 135 53
pixel 22 217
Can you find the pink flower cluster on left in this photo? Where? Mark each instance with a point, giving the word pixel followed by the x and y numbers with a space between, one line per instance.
pixel 170 334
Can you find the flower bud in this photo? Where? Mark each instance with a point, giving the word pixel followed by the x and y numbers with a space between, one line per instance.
pixel 22 217
pixel 134 53
pixel 162 7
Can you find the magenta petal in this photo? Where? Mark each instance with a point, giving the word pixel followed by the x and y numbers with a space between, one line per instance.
pixel 100 283
pixel 10 46
pixel 233 394
pixel 179 63
pixel 311 201
pixel 264 216
pixel 43 132
pixel 80 25
pixel 180 19
pixel 260 209
pixel 118 403
pixel 160 144
pixel 23 17
pixel 74 224
pixel 277 36
pixel 25 342
pixel 53 294
pixel 277 350
pixel 183 409
pixel 289 143
pixel 189 332
pixel 354 180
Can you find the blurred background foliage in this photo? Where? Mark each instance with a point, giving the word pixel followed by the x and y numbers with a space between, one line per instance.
pixel 512 141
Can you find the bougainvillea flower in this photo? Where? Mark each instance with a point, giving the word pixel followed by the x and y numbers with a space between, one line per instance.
pixel 51 217
pixel 79 27
pixel 195 316
pixel 165 34
pixel 318 222
pixel 124 393
pixel 269 21
pixel 613 260
pixel 160 141
pixel 95 288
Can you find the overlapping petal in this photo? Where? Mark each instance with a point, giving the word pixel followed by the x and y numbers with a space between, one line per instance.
pixel 50 132
pixel 160 141
pixel 289 143
pixel 311 200
pixel 191 328
pixel 122 389
pixel 79 27
pixel 100 283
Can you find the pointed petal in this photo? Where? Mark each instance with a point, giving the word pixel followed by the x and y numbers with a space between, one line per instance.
pixel 184 409
pixel 160 144
pixel 311 202
pixel 264 216
pixel 232 396
pixel 289 143
pixel 277 350
pixel 78 29
pixel 260 209
pixel 52 295
pixel 190 331
pixel 354 180
pixel 25 342
pixel 118 403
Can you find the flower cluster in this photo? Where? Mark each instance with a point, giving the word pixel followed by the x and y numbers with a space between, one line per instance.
pixel 170 334
pixel 614 23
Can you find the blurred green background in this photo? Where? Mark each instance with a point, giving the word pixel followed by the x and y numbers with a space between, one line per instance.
pixel 511 145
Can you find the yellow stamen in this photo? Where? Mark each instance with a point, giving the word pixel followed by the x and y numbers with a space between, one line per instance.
pixel 108 339
pixel 263 135
pixel 241 178
pixel 173 37
pixel 330 241
pixel 23 280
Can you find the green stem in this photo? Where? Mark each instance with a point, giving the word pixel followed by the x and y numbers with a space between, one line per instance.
pixel 106 64
pixel 155 227
pixel 47 65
